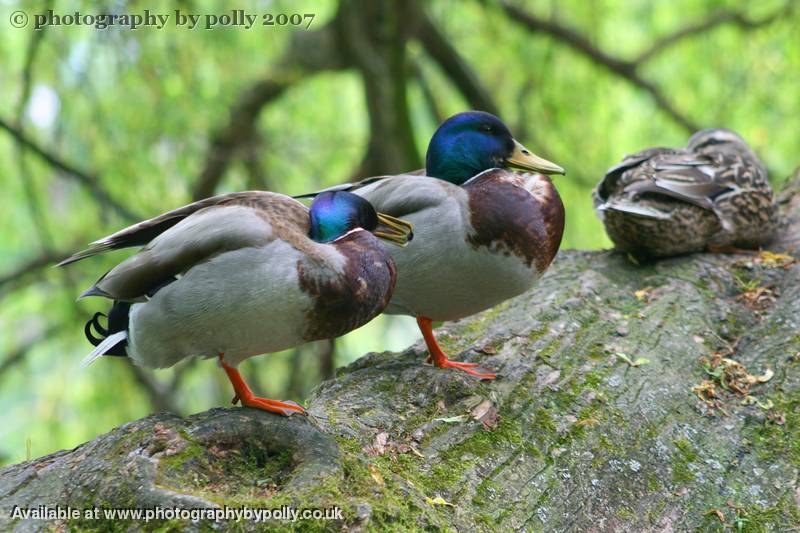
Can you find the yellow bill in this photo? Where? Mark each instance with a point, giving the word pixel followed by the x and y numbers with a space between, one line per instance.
pixel 394 230
pixel 524 159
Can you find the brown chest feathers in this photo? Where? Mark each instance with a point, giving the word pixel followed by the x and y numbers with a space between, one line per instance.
pixel 356 296
pixel 516 214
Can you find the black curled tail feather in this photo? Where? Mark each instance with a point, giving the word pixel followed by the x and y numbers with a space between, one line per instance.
pixel 93 322
pixel 117 321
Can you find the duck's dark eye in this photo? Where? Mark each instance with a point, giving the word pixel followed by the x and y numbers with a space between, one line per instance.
pixel 487 128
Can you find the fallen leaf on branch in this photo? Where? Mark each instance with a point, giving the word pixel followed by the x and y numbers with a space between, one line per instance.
pixel 486 412
pixel 634 363
pixel 766 376
pixel 452 419
pixel 717 513
pixel 643 294
pixel 773 260
pixel 752 400
pixel 777 417
pixel 376 475
pixel 759 298
pixel 438 501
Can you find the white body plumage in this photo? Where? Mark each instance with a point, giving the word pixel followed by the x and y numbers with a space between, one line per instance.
pixel 442 275
pixel 241 303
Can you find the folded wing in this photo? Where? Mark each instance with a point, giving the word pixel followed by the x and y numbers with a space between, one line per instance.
pixel 143 232
pixel 178 240
pixel 677 174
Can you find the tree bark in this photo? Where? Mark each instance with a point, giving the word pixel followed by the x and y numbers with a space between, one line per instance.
pixel 593 424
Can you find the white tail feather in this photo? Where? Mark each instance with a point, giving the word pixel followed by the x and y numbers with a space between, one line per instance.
pixel 100 349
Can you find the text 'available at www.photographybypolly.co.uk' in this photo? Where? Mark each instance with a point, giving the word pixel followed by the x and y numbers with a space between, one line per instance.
pixel 284 513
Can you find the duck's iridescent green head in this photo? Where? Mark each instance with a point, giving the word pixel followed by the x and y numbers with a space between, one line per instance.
pixel 468 143
pixel 334 213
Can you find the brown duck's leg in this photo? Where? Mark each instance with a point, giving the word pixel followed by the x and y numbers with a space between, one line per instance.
pixel 438 357
pixel 249 399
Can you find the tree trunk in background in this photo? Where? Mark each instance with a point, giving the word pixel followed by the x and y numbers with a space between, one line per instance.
pixel 592 426
pixel 372 36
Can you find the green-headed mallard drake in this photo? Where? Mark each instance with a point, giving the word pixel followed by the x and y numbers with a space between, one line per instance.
pixel 483 232
pixel 243 274
pixel 713 194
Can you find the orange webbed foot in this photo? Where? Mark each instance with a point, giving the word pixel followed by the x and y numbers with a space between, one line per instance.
pixel 470 368
pixel 245 395
pixel 437 357
pixel 285 408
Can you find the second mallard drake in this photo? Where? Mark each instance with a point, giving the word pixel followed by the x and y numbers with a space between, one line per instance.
pixel 484 233
pixel 243 274
pixel 713 195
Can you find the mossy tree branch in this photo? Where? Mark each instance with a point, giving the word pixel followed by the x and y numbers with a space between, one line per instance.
pixel 593 424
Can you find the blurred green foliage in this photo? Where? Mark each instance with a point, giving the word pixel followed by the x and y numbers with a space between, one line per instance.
pixel 138 108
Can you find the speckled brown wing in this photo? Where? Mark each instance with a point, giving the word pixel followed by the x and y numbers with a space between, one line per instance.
pixel 733 186
pixel 685 177
pixel 613 180
pixel 749 218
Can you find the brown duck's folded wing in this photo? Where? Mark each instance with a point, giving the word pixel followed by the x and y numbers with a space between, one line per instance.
pixel 609 183
pixel 143 232
pixel 690 178
pixel 246 221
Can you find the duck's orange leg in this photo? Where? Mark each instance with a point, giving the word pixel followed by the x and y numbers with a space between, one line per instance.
pixel 248 399
pixel 438 357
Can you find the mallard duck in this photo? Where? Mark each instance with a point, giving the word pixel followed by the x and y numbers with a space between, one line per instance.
pixel 484 232
pixel 713 195
pixel 243 274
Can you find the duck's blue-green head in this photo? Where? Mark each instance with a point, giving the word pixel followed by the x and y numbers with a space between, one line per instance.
pixel 334 213
pixel 468 143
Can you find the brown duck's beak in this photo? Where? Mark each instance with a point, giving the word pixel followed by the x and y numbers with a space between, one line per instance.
pixel 394 230
pixel 524 159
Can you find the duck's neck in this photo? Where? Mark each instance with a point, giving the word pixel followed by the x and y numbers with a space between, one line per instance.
pixel 459 168
pixel 457 174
